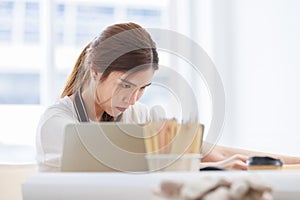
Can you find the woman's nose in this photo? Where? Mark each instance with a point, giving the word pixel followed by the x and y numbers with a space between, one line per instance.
pixel 133 97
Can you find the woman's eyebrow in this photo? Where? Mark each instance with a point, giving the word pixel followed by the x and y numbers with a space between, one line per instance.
pixel 147 85
pixel 127 82
pixel 133 83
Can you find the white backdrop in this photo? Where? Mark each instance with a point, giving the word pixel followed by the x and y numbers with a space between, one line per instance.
pixel 255 46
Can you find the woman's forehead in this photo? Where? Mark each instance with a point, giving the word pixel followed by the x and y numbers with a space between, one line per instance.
pixel 141 77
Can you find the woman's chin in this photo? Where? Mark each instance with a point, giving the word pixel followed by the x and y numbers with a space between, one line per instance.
pixel 119 110
pixel 114 113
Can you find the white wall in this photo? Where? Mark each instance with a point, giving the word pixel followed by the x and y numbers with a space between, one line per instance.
pixel 256 48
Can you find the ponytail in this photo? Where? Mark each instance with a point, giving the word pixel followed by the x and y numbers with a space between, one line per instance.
pixel 77 76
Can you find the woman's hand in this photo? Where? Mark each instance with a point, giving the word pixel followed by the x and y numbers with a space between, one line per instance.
pixel 235 162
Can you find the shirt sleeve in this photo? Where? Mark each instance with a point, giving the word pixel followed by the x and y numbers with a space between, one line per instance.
pixel 49 140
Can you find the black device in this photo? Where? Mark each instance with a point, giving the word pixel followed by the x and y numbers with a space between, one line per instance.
pixel 211 168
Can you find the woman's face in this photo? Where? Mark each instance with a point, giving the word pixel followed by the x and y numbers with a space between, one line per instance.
pixel 120 90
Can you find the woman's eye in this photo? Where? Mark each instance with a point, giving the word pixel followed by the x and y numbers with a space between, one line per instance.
pixel 126 85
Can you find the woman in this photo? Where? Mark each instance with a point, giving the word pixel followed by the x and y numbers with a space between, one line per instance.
pixel 106 83
pixel 109 77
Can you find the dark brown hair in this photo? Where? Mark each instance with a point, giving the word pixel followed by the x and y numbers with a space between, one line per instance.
pixel 120 47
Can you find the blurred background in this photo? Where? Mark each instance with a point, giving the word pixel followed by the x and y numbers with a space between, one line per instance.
pixel 254 45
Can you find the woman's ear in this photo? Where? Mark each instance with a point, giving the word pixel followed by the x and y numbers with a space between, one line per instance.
pixel 95 75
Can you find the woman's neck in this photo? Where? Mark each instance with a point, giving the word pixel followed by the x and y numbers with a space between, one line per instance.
pixel 94 112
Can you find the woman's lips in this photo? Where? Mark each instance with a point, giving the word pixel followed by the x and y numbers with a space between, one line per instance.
pixel 121 109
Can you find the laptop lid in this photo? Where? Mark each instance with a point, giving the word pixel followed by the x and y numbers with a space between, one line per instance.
pixel 103 147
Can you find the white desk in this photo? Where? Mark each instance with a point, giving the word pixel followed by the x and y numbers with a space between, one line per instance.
pixel 116 186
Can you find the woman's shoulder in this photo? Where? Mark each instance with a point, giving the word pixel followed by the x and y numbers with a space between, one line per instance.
pixel 63 108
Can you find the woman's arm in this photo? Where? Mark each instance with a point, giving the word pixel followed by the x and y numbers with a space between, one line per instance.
pixel 235 158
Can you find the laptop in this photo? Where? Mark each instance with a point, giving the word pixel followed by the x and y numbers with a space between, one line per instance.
pixel 104 147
